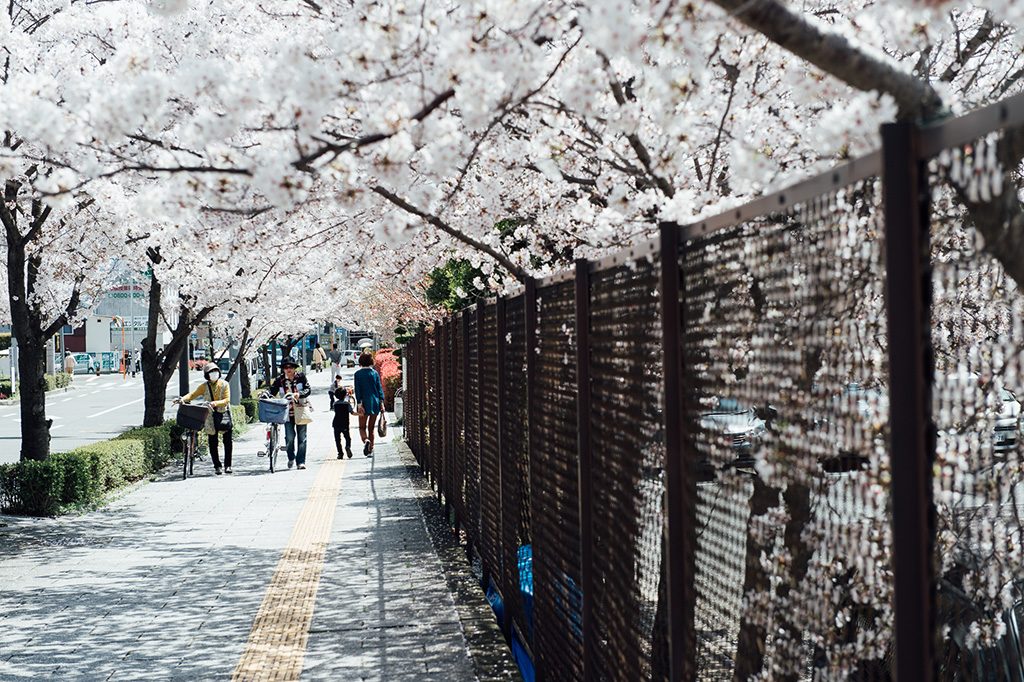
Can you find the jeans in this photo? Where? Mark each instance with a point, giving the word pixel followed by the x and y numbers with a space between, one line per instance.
pixel 289 438
pixel 212 441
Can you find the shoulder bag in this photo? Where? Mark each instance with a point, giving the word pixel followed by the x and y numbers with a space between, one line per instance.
pixel 303 413
pixel 221 420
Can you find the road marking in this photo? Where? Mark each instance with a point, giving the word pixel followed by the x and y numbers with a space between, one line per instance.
pixel 131 402
pixel 280 632
pixel 56 426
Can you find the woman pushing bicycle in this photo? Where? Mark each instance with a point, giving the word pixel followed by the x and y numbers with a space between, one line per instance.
pixel 294 386
pixel 218 395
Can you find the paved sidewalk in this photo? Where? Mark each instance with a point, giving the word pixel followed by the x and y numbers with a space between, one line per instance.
pixel 166 583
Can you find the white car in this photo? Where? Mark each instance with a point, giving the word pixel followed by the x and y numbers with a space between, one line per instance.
pixel 350 357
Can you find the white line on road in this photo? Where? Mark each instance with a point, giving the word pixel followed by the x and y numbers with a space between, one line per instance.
pixel 118 407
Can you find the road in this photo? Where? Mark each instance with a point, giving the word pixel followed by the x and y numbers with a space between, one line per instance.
pixel 97 408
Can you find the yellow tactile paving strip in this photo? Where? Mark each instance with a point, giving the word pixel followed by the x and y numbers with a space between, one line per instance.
pixel 277 640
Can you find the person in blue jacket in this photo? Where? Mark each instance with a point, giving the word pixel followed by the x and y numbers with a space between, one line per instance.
pixel 369 398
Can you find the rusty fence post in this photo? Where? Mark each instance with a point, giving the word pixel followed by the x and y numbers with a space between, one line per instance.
pixel 911 368
pixel 585 459
pixel 680 512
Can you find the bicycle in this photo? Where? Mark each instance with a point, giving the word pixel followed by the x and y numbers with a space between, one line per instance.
pixel 273 412
pixel 192 418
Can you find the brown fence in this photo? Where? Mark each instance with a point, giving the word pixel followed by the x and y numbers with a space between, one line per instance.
pixel 782 442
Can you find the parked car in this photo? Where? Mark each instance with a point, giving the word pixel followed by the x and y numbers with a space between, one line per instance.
pixel 350 357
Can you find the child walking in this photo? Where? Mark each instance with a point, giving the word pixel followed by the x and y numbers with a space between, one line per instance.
pixel 342 409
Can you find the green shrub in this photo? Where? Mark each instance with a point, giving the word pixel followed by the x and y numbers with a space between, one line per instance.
pixel 31 487
pixel 158 443
pixel 5 340
pixel 82 476
pixel 239 420
pixel 251 409
pixel 89 472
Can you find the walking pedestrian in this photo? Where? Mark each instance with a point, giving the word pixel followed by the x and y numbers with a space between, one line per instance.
pixel 218 395
pixel 370 398
pixel 69 365
pixel 342 408
pixel 319 358
pixel 295 387
pixel 335 356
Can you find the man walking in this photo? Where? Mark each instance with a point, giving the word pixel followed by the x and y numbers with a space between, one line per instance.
pixel 69 365
pixel 335 356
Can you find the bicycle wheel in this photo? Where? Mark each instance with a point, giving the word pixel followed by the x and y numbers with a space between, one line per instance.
pixel 195 451
pixel 273 449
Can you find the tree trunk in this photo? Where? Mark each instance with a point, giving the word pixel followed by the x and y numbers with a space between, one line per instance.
pixel 35 427
pixel 243 380
pixel 155 387
pixel 158 366
pixel 28 330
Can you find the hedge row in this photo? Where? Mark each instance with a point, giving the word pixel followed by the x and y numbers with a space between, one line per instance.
pixel 81 478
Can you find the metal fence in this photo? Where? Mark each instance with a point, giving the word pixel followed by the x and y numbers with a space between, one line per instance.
pixel 780 443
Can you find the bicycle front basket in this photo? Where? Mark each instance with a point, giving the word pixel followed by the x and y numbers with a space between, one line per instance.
pixel 192 416
pixel 273 410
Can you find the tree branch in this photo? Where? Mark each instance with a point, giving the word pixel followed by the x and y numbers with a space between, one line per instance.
pixel 401 203
pixel 972 46
pixel 634 140
pixel 837 56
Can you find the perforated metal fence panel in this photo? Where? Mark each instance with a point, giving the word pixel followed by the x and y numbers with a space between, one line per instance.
pixel 558 605
pixel 515 471
pixel 628 463
pixel 978 337
pixel 458 418
pixel 842 399
pixel 786 365
pixel 490 471
pixel 471 522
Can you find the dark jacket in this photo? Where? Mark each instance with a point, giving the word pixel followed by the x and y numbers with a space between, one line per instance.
pixel 300 384
pixel 342 409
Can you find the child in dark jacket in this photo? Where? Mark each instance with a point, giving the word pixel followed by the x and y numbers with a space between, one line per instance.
pixel 342 407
